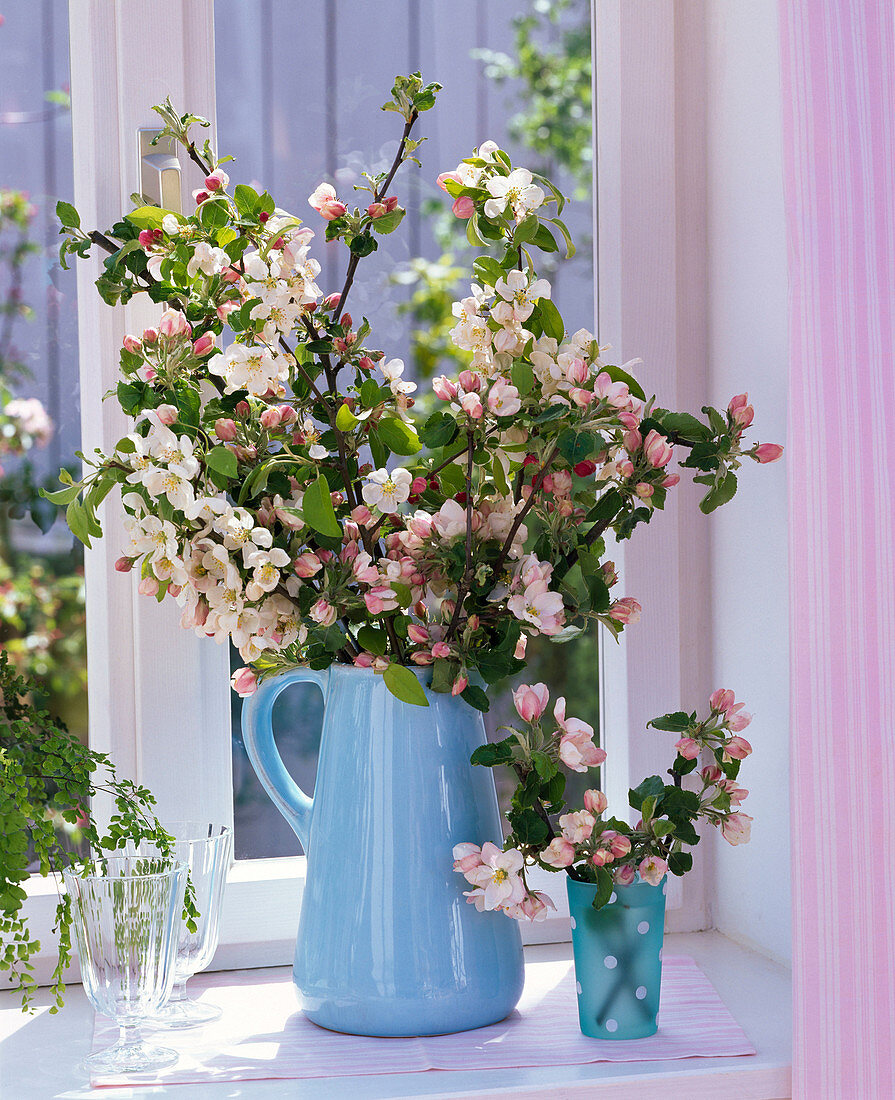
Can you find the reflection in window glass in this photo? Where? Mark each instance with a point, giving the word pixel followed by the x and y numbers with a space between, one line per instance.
pixel 517 73
pixel 41 575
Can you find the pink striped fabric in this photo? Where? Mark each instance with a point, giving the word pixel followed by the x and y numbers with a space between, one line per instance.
pixel 263 1035
pixel 838 65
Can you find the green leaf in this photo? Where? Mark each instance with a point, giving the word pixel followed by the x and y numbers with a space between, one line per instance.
pixel 400 438
pixel 363 244
pixel 389 222
pixel 67 215
pixel 402 683
pixel 545 240
pixel 246 198
pixel 498 476
pixel 552 412
pixel 475 697
pixel 369 393
pixel 151 217
pixel 544 766
pixel 574 446
pixel 487 270
pixel 720 494
pixel 526 230
pixel 345 418
pixel 604 888
pixel 606 507
pixel 619 375
pixel 317 508
pixel 561 226
pixel 652 786
pixel 490 756
pixel 523 377
pixel 672 723
pixel 76 518
pixel 683 424
pixel 679 863
pixel 214 213
pixel 528 827
pixel 373 640
pixel 222 460
pixel 61 496
pixel 551 319
pixel 439 430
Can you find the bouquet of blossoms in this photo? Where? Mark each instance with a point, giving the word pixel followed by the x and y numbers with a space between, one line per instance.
pixel 589 847
pixel 276 483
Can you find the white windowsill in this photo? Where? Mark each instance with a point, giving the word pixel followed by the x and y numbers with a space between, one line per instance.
pixel 39 1055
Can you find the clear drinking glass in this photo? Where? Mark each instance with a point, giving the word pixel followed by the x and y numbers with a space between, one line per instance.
pixel 127 915
pixel 206 850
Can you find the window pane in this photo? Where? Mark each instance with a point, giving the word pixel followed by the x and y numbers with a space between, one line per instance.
pixel 515 73
pixel 41 574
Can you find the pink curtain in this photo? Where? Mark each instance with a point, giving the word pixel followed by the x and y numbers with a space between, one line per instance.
pixel 838 65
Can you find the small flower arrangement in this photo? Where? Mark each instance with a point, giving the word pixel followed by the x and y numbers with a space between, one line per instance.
pixel 590 847
pixel 277 485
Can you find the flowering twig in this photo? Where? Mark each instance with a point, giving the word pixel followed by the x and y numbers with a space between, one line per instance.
pixel 465 583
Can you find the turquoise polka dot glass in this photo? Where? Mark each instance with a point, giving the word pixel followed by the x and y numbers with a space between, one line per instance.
pixel 618 958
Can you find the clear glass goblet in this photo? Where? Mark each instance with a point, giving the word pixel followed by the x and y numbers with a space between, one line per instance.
pixel 206 850
pixel 126 914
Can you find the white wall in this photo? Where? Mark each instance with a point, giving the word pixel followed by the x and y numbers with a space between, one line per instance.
pixel 747 349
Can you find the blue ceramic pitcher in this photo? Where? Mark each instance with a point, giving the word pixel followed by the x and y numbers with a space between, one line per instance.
pixel 387 944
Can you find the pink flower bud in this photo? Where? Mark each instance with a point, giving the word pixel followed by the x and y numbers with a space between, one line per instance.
pixel 585 468
pixel 459 685
pixel 331 301
pixel 243 409
pixel 332 209
pixel 365 363
pixel 150 335
pixel 376 210
pixel 595 802
pixel 362 515
pixel 463 207
pixel 124 565
pixel 470 382
pixel 626 610
pixel 443 177
pixel 444 388
pixel 200 196
pixel 167 414
pixel 711 773
pixel 767 452
pixel 687 748
pixel 657 449
pixel 441 649
pixel 132 343
pixel 173 323
pixel 530 702
pixel 287 414
pixel 417 634
pixel 244 682
pixel 633 441
pixel 225 429
pixel 204 344
pixel 307 565
pixel 670 480
pixel 521 645
pixel 271 418
pixel 364 660
pixel 216 181
pixel 738 722
pixel 146 238
pixel 418 486
pixel 644 490
pixel 472 406
pixel 626 467
pixel 738 748
pixel 743 417
pixel 148 586
pixel 624 876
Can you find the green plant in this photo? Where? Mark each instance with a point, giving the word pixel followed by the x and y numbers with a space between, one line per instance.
pixel 46 775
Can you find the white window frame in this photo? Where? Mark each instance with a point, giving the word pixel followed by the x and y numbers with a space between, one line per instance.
pixel 158 695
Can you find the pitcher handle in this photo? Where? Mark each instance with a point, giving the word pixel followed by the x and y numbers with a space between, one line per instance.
pixel 257 733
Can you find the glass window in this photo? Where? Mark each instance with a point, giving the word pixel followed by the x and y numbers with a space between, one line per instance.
pixel 41 564
pixel 305 108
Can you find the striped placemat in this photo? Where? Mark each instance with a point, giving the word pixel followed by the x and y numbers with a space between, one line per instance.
pixel 263 1034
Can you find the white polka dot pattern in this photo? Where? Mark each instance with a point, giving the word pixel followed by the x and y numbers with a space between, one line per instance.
pixel 610 962
pixel 643 927
pixel 578 988
pixel 612 1025
pixel 640 992
pixel 574 926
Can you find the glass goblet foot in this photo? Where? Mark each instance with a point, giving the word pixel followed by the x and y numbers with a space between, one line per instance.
pixel 184 1012
pixel 131 1054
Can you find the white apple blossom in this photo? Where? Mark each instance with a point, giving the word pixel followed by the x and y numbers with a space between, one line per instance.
pixel 172 483
pixel 207 259
pixel 265 566
pixel 450 519
pixel 515 191
pixel 521 294
pixel 384 491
